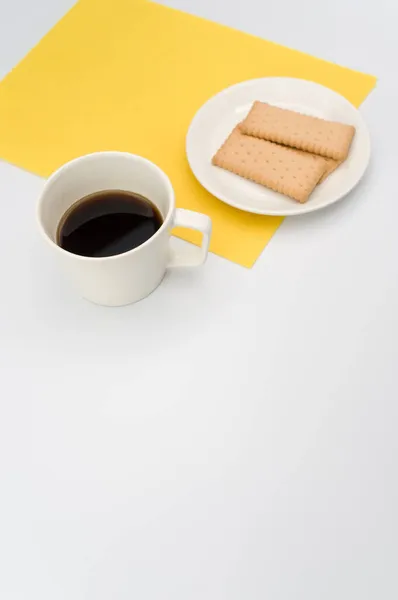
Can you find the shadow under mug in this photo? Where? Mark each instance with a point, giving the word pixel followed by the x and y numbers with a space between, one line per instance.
pixel 128 277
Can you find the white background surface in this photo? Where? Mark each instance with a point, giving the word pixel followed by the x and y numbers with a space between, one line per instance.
pixel 233 437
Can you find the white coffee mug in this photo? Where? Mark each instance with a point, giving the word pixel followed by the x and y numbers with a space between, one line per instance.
pixel 128 277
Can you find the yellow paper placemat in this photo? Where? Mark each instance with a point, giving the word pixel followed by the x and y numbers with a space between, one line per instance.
pixel 130 75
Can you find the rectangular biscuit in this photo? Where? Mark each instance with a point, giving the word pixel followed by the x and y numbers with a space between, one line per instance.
pixel 290 128
pixel 281 169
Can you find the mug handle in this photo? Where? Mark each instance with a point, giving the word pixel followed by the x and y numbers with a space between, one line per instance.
pixel 191 220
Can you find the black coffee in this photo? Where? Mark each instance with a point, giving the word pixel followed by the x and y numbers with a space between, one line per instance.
pixel 108 223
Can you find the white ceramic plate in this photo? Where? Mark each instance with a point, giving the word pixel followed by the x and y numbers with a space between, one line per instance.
pixel 215 120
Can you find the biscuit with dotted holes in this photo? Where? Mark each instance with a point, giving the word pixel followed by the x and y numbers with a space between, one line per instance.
pixel 281 169
pixel 290 128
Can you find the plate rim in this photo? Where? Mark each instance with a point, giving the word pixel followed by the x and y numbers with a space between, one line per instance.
pixel 300 209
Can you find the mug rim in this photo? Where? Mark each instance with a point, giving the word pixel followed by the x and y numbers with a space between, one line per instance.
pixel 66 166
